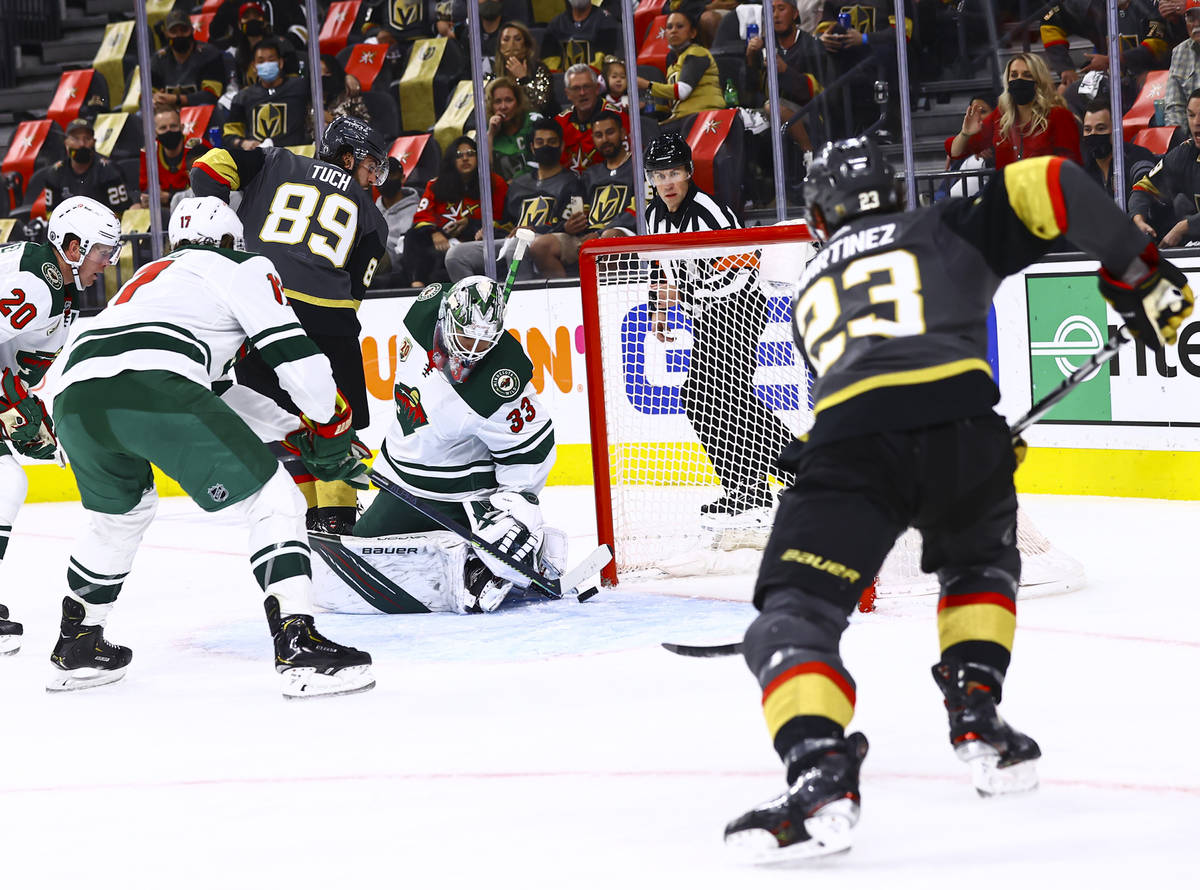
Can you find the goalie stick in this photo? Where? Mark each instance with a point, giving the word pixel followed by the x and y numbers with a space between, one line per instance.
pixel 1024 422
pixel 554 588
pixel 524 239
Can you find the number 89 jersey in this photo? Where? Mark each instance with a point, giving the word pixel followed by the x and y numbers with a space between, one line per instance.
pixel 311 219
pixel 461 442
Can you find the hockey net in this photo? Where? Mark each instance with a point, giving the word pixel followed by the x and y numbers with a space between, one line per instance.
pixel 669 421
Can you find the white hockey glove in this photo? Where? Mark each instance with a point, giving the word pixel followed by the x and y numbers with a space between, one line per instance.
pixel 512 523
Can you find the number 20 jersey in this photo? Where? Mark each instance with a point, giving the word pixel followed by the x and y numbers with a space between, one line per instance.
pixel 465 441
pixel 892 313
pixel 311 219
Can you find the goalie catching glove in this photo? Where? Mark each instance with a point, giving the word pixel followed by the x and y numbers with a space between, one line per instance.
pixel 25 419
pixel 330 450
pixel 1153 297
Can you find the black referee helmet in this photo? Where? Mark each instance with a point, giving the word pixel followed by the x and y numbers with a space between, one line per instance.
pixel 668 150
pixel 848 179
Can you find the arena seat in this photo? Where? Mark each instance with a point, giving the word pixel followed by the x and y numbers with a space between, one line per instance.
pixel 716 139
pixel 1138 116
pixel 1157 139
pixel 35 145
pixel 335 32
pixel 643 16
pixel 429 79
pixel 200 25
pixel 80 93
pixel 419 157
pixel 653 50
pixel 367 61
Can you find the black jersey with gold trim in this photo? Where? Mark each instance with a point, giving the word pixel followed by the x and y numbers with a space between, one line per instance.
pixel 200 76
pixel 407 19
pixel 541 204
pixel 279 113
pixel 611 196
pixel 311 219
pixel 892 313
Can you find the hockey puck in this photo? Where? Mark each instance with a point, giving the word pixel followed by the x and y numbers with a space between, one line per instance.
pixel 588 594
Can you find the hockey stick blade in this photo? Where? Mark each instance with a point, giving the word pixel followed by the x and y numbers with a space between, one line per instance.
pixel 704 651
pixel 591 565
pixel 552 588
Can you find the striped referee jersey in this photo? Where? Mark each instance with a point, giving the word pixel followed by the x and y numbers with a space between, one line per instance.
pixel 701 279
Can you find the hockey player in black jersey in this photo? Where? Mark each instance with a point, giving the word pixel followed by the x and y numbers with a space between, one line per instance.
pixel 891 314
pixel 314 218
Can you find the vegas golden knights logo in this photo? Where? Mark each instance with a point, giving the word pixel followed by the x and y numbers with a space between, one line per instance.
pixel 576 52
pixel 270 120
pixel 537 211
pixel 405 13
pixel 608 203
pixel 862 18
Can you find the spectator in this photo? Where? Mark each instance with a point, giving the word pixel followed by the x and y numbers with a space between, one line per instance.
pixel 85 173
pixel 272 112
pixel 510 128
pixel 1184 73
pixel 583 90
pixel 228 24
pixel 398 204
pixel 611 201
pixel 253 28
pixel 449 209
pixel 1098 150
pixel 797 57
pixel 187 71
pixel 616 83
pixel 1174 181
pixel 341 92
pixel 968 185
pixel 693 81
pixel 580 35
pixel 1030 120
pixel 175 158
pixel 407 20
pixel 491 20
pixel 537 201
pixel 518 59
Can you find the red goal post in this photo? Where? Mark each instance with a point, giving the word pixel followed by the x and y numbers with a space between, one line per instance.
pixel 614 283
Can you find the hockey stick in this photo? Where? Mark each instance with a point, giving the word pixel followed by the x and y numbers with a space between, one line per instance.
pixel 524 239
pixel 1060 392
pixel 554 588
pixel 1024 422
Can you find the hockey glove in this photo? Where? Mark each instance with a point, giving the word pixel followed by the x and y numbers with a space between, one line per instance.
pixel 1153 297
pixel 328 449
pixel 25 420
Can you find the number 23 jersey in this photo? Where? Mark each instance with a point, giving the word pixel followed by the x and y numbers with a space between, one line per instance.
pixel 311 219
pixel 466 441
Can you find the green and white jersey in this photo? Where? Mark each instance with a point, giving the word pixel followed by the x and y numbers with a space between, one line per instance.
pixel 467 441
pixel 35 309
pixel 190 313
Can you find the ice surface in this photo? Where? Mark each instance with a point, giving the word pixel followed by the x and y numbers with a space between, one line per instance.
pixel 556 745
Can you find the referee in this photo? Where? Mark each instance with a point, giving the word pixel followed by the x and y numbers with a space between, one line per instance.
pixel 728 312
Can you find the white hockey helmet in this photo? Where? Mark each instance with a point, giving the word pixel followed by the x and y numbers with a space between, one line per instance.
pixel 470 322
pixel 204 221
pixel 89 221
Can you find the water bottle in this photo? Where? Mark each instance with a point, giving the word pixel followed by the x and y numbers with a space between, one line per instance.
pixel 751 31
pixel 1160 114
pixel 844 21
pixel 214 137
pixel 731 94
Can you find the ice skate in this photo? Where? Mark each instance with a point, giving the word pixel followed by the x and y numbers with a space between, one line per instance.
pixel 816 815
pixel 10 633
pixel 740 518
pixel 312 665
pixel 335 520
pixel 484 592
pixel 82 658
pixel 1002 760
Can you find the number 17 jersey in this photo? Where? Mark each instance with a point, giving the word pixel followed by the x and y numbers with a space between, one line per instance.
pixel 312 219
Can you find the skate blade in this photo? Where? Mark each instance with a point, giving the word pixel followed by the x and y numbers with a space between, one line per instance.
pixel 309 683
pixel 10 644
pixel 830 831
pixel 749 521
pixel 992 780
pixel 82 678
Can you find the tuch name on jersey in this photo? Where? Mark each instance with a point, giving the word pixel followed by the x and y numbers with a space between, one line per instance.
pixel 339 179
pixel 844 246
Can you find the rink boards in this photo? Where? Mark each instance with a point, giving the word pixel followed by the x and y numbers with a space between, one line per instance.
pixel 1133 430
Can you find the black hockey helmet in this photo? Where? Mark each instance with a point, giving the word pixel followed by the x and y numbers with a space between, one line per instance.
pixel 353 134
pixel 668 150
pixel 847 179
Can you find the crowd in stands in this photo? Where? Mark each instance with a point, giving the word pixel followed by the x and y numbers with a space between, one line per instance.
pixel 558 112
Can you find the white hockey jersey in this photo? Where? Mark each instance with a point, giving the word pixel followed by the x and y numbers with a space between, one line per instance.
pixel 464 442
pixel 190 312
pixel 35 309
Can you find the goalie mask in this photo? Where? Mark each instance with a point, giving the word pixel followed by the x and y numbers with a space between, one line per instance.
pixel 470 322
pixel 204 221
pixel 92 223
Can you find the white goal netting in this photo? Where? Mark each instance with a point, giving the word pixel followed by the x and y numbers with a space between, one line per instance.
pixel 702 386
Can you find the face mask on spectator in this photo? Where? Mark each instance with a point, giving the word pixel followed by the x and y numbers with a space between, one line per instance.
pixel 170 140
pixel 1099 145
pixel 1022 91
pixel 254 28
pixel 491 9
pixel 267 71
pixel 82 155
pixel 547 155
pixel 181 44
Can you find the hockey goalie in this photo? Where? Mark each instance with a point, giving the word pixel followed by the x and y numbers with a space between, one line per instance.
pixel 470 440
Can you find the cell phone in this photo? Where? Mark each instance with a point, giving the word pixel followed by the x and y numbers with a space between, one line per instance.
pixel 575 205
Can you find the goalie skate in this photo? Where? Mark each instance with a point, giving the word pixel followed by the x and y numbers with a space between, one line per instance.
pixel 310 665
pixel 82 658
pixel 10 634
pixel 814 817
